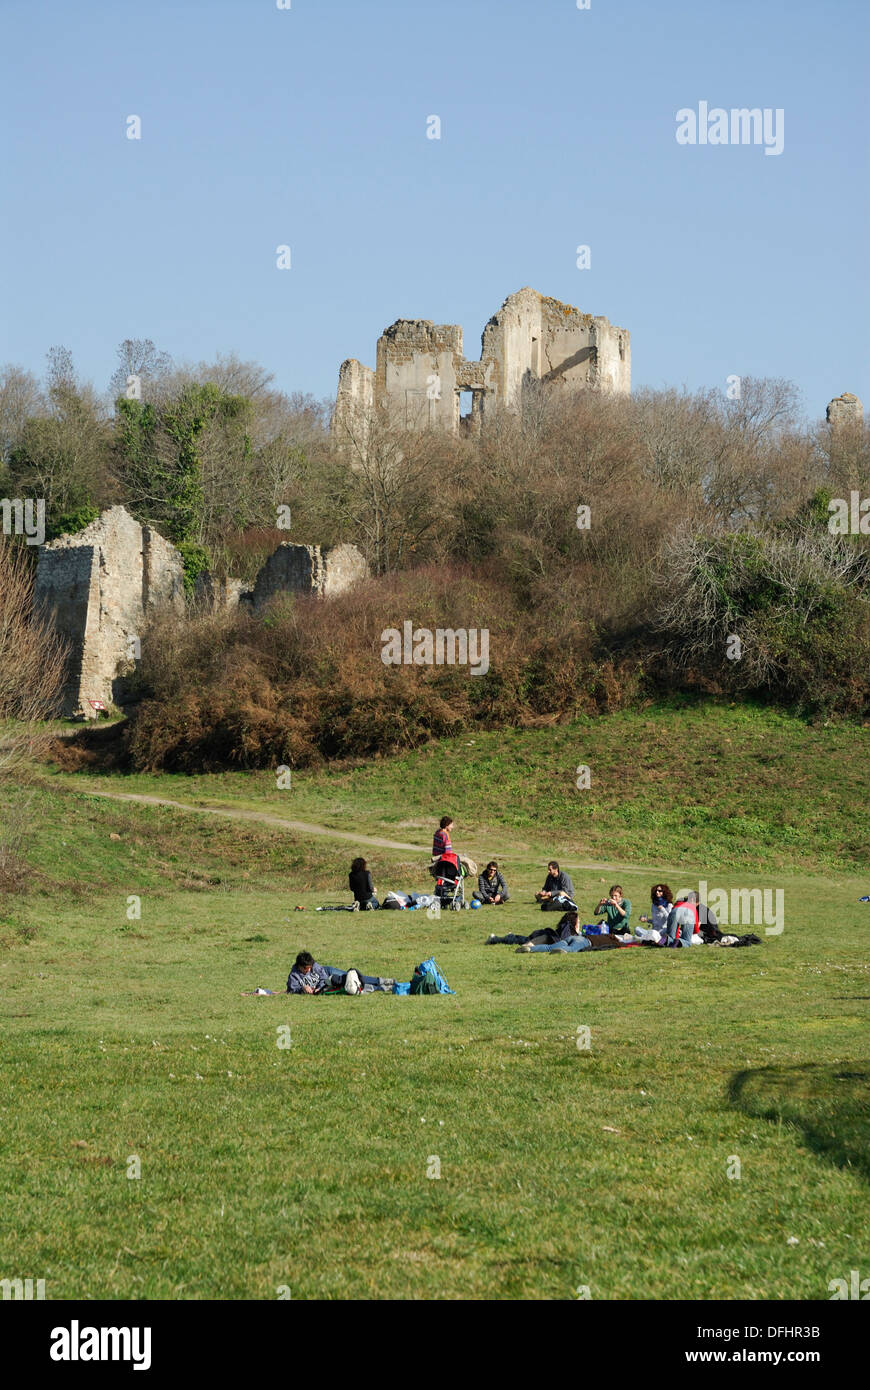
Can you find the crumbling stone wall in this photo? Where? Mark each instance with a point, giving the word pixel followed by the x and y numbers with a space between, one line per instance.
pixel 421 369
pixel 845 410
pixel 308 569
pixel 216 595
pixel 97 588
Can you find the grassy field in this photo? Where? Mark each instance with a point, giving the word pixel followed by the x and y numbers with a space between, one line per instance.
pixel 308 1166
pixel 738 787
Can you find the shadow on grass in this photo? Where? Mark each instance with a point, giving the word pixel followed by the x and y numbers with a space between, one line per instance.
pixel 830 1104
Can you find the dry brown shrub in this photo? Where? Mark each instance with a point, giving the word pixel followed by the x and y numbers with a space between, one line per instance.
pixel 31 664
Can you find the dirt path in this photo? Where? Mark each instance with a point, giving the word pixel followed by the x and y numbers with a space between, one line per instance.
pixel 308 828
pixel 264 818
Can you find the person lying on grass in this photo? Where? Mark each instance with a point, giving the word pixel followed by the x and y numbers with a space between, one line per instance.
pixel 308 976
pixel 361 885
pixel 491 887
pixel 557 887
pixel 617 911
pixel 567 927
pixel 572 939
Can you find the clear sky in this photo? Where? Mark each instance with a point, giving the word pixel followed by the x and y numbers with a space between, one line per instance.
pixel 307 127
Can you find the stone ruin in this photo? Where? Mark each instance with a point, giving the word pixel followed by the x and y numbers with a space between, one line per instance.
pixel 845 410
pixel 308 569
pixel 98 589
pixel 422 375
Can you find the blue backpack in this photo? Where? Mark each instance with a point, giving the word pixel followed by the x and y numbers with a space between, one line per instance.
pixel 429 980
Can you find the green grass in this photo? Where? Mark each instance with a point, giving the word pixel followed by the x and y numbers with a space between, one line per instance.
pixel 685 785
pixel 306 1166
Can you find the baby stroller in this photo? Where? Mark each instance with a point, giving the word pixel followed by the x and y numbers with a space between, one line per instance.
pixel 450 875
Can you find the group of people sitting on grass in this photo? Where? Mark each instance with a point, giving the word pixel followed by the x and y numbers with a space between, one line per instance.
pixel 671 921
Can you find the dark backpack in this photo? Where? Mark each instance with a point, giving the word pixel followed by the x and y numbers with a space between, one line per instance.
pixel 428 979
pixel 427 983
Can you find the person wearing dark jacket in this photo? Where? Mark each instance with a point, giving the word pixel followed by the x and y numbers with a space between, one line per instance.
pixel 491 887
pixel 567 927
pixel 361 885
pixel 558 888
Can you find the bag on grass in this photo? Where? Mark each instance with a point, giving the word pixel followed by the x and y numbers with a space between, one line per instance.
pixel 560 903
pixel 429 980
pixel 395 900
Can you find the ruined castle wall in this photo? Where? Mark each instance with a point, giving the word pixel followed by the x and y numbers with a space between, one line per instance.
pixel 511 346
pixel 308 569
pixel 531 339
pixel 162 574
pixel 845 411
pixel 613 358
pixel 66 590
pixel 344 566
pixel 354 402
pixel 219 595
pixel 416 376
pixel 96 588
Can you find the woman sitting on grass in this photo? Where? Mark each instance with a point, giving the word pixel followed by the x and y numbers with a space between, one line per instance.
pixel 570 937
pixel 491 887
pixel 661 902
pixel 361 885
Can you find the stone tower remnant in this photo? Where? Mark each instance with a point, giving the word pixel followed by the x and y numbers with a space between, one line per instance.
pixel 422 374
pixel 845 410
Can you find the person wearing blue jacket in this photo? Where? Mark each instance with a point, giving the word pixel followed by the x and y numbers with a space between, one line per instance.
pixel 308 976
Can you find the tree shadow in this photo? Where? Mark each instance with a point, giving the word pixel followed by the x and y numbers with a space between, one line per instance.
pixel 827 1102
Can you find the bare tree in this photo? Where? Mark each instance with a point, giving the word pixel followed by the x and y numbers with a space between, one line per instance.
pixel 139 358
pixel 32 661
pixel 20 397
pixel 384 487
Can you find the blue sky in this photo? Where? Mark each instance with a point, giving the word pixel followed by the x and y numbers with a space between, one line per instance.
pixel 307 127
